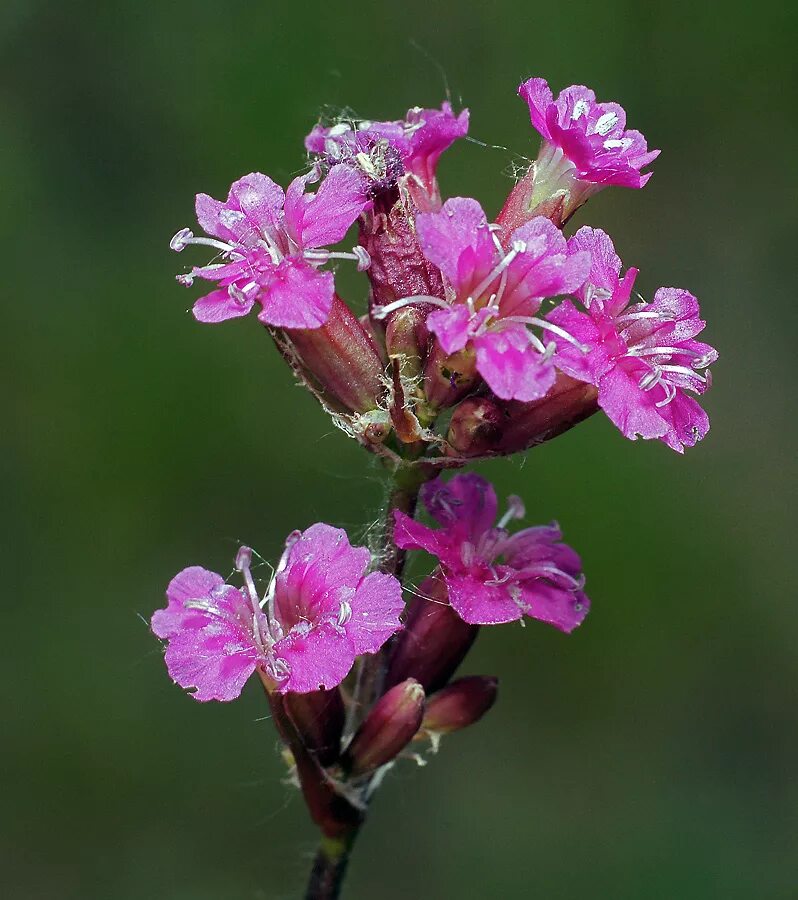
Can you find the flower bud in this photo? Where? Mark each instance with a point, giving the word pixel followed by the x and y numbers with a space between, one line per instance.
pixel 398 267
pixel 526 424
pixel 387 729
pixel 475 426
pixel 342 358
pixel 434 641
pixel 319 720
pixel 460 704
pixel 406 339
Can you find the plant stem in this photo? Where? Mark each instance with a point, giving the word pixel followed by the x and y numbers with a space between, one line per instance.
pixel 405 484
pixel 329 867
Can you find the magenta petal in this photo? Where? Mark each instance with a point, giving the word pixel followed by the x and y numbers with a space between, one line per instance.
pixel 460 226
pixel 376 607
pixel 319 566
pixel 323 218
pixel 561 608
pixel 209 627
pixel 512 367
pixel 628 407
pixel 588 366
pixel 479 603
pixel 259 198
pixel 687 423
pixel 219 306
pixel 538 96
pixel 297 296
pixel 466 505
pixel 193 583
pixel 412 535
pixel 218 665
pixel 319 657
pixel 451 327
pixel 605 266
pixel 436 131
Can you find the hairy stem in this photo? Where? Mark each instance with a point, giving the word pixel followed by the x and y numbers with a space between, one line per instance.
pixel 329 867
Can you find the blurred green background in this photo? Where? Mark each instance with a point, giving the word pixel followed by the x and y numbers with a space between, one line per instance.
pixel 650 755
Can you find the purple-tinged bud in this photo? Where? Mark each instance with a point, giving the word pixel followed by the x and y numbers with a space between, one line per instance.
pixel 434 642
pixel 387 729
pixel 460 704
pixel 398 267
pixel 475 427
pixel 319 720
pixel 343 359
pixel 330 810
pixel 527 424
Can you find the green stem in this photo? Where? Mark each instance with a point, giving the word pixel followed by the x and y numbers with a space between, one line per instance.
pixel 329 867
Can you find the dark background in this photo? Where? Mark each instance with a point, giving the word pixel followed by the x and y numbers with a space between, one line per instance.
pixel 651 754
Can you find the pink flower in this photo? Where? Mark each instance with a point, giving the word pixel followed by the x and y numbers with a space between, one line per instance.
pixel 642 357
pixel 385 151
pixel 538 577
pixel 493 296
pixel 271 247
pixel 585 139
pixel 319 613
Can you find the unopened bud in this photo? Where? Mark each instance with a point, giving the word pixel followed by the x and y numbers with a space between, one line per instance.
pixel 406 338
pixel 567 403
pixel 342 357
pixel 319 720
pixel 434 641
pixel 475 426
pixel 398 266
pixel 460 704
pixel 387 729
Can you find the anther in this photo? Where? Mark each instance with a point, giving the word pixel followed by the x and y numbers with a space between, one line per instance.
pixel 181 240
pixel 344 613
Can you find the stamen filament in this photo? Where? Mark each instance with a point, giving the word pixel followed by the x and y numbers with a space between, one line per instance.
pixel 380 312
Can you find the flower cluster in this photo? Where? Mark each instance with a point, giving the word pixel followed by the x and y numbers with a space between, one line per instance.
pixel 456 301
pixel 481 338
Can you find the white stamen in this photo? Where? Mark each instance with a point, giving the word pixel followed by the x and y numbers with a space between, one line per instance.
pixel 650 379
pixel 363 258
pixel 239 294
pixel 479 290
pixel 181 240
pixel 243 562
pixel 606 123
pixel 344 613
pixel 380 312
pixel 670 393
pixel 548 326
pixel 683 370
pixel 581 108
pixel 515 510
pixel 628 318
pixel 186 279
